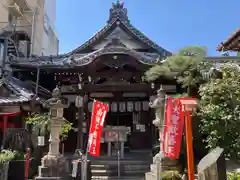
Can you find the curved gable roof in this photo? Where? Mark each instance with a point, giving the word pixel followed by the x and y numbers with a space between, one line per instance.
pixel 118 17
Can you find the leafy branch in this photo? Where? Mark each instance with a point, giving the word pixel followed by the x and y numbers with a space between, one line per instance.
pixel 40 123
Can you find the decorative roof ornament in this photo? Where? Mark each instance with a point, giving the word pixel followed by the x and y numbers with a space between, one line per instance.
pixel 118 11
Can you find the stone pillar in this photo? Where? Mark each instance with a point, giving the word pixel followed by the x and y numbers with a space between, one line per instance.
pixel 122 149
pixel 54 165
pixel 159 161
pixel 109 152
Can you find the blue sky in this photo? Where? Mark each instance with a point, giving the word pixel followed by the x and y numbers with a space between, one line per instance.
pixel 173 24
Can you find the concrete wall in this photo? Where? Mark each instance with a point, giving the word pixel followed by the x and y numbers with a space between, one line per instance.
pixel 50 39
pixel 3 15
pixel 32 22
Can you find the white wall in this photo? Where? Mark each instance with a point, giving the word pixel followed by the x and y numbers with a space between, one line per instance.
pixel 3 15
pixel 50 11
pixel 50 39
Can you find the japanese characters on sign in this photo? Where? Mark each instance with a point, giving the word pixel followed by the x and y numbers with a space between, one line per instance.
pixel 97 121
pixel 172 135
pixel 111 136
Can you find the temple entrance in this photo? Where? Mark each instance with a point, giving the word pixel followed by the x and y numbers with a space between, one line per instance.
pixel 119 119
pixel 134 119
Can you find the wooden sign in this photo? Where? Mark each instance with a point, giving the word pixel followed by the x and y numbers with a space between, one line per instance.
pixel 41 140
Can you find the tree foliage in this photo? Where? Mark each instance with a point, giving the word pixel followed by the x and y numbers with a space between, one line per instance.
pixel 220 111
pixel 219 97
pixel 40 123
pixel 187 67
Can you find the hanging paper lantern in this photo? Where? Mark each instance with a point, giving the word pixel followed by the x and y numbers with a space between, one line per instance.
pixel 122 107
pixel 114 107
pixel 137 106
pixel 130 106
pixel 145 105
pixel 90 105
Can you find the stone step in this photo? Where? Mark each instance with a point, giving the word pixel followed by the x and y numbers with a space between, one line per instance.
pixel 153 168
pixel 117 178
pixel 112 162
pixel 115 173
pixel 122 167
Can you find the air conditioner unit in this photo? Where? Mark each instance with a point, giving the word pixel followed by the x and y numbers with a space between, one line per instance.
pixel 23 47
pixel 14 10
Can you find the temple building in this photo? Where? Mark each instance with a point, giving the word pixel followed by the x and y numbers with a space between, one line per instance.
pixel 109 67
pixel 231 43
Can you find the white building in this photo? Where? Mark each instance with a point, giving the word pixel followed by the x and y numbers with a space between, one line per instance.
pixel 50 41
pixel 31 24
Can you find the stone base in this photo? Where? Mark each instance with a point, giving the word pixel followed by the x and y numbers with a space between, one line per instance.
pixel 150 176
pixel 170 165
pixel 53 167
pixel 49 178
pixel 167 165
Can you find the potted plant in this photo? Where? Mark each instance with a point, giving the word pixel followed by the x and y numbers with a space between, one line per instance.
pixel 5 157
pixel 16 165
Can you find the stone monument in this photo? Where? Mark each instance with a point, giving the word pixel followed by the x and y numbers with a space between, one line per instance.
pixel 213 166
pixel 159 160
pixel 54 165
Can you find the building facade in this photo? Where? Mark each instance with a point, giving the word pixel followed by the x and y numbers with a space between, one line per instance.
pixel 50 40
pixel 109 67
pixel 24 21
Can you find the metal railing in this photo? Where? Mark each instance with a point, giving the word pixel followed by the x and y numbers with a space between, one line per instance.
pixel 22 4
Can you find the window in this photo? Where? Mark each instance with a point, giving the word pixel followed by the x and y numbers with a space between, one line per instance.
pixel 10 18
pixel 1 51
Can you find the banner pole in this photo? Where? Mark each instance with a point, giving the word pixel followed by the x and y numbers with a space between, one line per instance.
pixel 161 150
pixel 118 144
pixel 189 143
pixel 84 177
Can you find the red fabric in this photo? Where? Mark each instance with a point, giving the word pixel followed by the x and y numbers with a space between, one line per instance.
pixel 10 114
pixel 97 121
pixel 172 135
pixel 9 125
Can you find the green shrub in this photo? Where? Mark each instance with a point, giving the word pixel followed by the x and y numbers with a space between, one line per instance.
pixel 7 155
pixel 233 176
pixel 171 175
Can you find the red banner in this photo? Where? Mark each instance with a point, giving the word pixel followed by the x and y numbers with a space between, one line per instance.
pixel 97 121
pixel 172 134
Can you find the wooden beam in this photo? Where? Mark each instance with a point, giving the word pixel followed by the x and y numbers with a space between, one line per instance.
pixel 117 88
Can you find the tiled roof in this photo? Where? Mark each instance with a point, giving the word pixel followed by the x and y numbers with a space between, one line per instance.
pixel 224 45
pixel 19 92
pixel 223 59
pixel 84 59
pixel 118 22
pixel 119 17
pixel 59 62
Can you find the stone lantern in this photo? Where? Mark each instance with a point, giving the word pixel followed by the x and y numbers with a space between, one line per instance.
pixel 160 163
pixel 53 165
pixel 159 105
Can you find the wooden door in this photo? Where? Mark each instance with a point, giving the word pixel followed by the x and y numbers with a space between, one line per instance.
pixel 141 136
